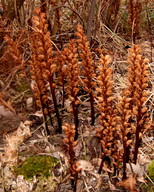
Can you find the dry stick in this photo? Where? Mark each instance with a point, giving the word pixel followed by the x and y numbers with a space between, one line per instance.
pixel 149 28
pixel 7 105
pixel 131 4
pixel 90 20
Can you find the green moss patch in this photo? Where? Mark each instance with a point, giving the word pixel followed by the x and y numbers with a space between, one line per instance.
pixel 37 166
pixel 151 170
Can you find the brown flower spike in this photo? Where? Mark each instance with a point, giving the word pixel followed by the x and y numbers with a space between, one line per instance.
pixel 137 85
pixel 41 36
pixel 133 118
pixel 71 143
pixel 72 68
pixel 87 67
pixel 105 105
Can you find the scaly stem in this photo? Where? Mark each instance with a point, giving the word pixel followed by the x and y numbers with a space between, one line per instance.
pixel 59 130
pixel 44 116
pixel 124 160
pixel 137 141
pixel 92 108
pixel 102 163
pixel 63 101
pixel 76 120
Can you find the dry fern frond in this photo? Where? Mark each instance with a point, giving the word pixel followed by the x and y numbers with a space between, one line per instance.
pixel 87 67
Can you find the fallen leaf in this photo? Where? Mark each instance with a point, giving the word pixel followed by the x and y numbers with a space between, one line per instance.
pixel 68 104
pixel 105 168
pixel 112 187
pixel 29 102
pixel 143 159
pixel 77 149
pixel 129 184
pixel 136 169
pixel 5 112
pixel 141 179
pixel 97 163
pixel 85 165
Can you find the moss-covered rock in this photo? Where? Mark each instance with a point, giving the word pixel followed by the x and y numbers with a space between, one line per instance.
pixel 36 166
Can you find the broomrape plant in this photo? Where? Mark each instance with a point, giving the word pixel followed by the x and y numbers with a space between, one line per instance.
pixel 122 120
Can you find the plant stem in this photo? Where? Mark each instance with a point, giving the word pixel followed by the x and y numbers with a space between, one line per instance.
pixel 124 159
pixel 137 141
pixel 92 108
pixel 59 130
pixel 90 19
pixel 76 120
pixel 44 117
pixel 101 165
